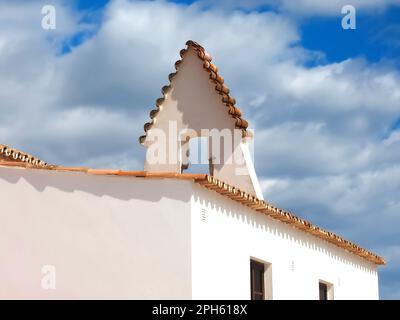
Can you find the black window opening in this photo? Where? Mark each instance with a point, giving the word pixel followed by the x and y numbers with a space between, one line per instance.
pixel 323 291
pixel 257 271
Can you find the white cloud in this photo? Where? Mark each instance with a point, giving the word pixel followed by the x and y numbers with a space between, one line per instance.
pixel 393 139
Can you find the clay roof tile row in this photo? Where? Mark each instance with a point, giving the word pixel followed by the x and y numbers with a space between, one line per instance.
pixel 11 154
pixel 286 217
pixel 232 193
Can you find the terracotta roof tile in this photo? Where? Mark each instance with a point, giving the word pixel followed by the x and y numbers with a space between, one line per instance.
pixel 10 154
pixel 232 193
pixel 215 77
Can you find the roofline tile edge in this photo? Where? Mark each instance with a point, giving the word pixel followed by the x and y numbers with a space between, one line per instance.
pixel 19 156
pixel 232 193
pixel 214 76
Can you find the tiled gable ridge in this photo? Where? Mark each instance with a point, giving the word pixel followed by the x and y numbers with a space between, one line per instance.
pixel 14 155
pixel 214 76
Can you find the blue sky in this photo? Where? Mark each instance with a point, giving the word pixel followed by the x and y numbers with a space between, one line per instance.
pixel 373 39
pixel 326 100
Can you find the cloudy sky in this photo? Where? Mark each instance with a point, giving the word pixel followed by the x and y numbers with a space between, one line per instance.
pixel 324 102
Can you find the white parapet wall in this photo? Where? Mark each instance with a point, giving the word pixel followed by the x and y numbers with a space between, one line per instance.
pixel 106 237
pixel 109 237
pixel 226 235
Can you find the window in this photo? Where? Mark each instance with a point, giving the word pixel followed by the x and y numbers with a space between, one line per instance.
pixel 257 280
pixel 325 291
pixel 194 156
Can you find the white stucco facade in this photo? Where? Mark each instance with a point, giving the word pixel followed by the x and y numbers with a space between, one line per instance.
pixel 226 235
pixel 107 237
pixel 139 238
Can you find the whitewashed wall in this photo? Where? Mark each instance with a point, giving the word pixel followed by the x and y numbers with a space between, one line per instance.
pixel 108 237
pixel 135 238
pixel 231 234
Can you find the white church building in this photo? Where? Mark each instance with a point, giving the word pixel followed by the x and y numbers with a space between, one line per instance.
pixel 167 232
